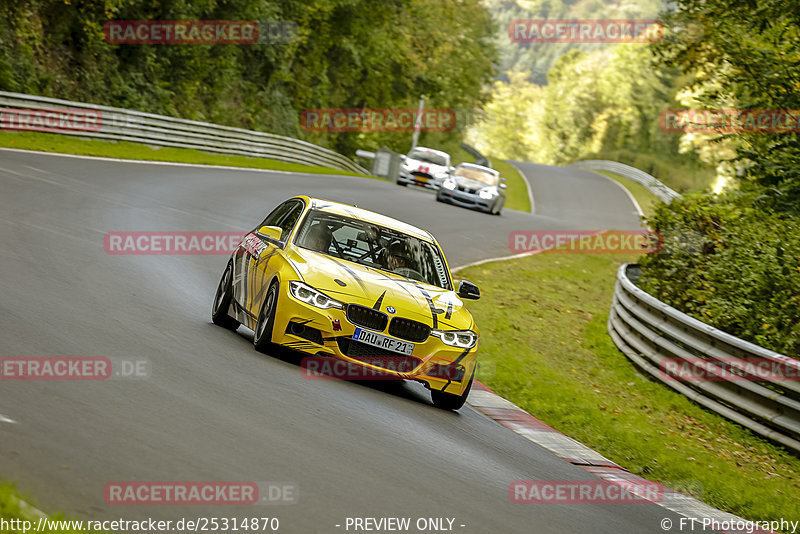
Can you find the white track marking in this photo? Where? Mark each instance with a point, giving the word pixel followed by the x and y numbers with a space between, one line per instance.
pixel 172 163
pixel 627 192
pixel 527 184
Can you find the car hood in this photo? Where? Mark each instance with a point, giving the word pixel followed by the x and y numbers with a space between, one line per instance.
pixel 352 283
pixel 472 185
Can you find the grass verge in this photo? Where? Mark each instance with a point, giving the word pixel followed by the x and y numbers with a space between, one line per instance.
pixel 517 192
pixel 47 142
pixel 11 511
pixel 647 200
pixel 551 353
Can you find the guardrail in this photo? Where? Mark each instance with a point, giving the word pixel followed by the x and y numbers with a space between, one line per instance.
pixel 26 112
pixel 632 173
pixel 651 333
pixel 480 159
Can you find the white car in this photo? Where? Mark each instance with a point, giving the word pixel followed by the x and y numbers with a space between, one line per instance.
pixel 426 167
pixel 474 186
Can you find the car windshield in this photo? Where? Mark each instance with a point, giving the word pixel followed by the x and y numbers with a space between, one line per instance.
pixel 373 246
pixel 428 157
pixel 479 175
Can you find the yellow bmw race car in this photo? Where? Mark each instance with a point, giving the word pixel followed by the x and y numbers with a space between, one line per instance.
pixel 337 281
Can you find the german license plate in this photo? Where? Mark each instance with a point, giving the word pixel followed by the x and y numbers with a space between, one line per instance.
pixel 384 342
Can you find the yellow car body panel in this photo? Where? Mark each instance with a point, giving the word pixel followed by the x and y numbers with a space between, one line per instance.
pixel 259 263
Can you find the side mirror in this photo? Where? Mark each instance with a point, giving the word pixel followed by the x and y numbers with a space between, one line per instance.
pixel 502 185
pixel 451 168
pixel 270 232
pixel 403 157
pixel 468 290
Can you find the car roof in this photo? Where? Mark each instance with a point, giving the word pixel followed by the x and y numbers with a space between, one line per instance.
pixel 479 167
pixel 347 210
pixel 432 150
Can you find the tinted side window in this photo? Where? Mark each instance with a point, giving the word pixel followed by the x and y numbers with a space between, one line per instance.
pixel 284 216
pixel 290 218
pixel 277 214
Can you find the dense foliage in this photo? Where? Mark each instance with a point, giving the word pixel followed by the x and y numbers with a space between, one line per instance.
pixel 536 59
pixel 731 265
pixel 745 54
pixel 346 54
pixel 735 259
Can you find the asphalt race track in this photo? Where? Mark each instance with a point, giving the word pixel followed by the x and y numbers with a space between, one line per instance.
pixel 213 409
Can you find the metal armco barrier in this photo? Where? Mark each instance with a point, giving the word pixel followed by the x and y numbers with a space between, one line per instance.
pixel 632 173
pixel 116 124
pixel 650 333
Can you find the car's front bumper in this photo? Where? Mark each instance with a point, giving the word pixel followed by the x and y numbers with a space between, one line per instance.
pixel 426 181
pixel 466 200
pixel 432 362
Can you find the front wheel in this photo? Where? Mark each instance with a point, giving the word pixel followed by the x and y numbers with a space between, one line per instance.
pixel 222 301
pixel 266 320
pixel 448 401
pixel 498 207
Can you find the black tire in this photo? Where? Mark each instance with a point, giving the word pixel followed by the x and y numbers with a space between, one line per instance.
pixel 498 208
pixel 222 301
pixel 262 339
pixel 448 401
pixel 402 184
pixel 439 198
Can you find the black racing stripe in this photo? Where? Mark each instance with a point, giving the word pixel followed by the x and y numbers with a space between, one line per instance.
pixel 243 309
pixel 345 293
pixel 351 272
pixel 461 357
pixel 402 283
pixel 433 309
pixel 377 305
pixel 448 326
pixel 262 287
pixel 449 310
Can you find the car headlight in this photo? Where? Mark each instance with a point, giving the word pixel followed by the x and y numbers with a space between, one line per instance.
pixel 464 339
pixel 486 193
pixel 309 295
pixel 449 184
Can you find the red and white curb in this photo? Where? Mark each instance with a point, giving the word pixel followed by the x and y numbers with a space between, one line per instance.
pixel 518 420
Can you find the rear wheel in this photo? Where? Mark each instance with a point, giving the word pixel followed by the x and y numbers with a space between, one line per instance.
pixel 448 401
pixel 222 301
pixel 262 339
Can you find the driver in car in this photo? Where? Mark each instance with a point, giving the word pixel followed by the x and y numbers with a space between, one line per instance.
pixel 396 257
pixel 319 238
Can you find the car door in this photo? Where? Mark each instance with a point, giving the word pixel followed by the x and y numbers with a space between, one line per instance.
pixel 257 260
